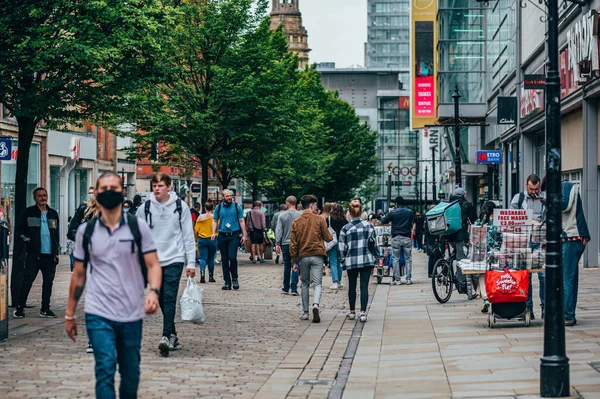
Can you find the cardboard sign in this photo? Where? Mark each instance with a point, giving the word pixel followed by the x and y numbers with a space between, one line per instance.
pixel 513 217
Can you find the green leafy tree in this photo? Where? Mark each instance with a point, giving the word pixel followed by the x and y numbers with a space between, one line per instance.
pixel 191 110
pixel 67 61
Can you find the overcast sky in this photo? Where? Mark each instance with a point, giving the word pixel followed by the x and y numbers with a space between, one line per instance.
pixel 337 30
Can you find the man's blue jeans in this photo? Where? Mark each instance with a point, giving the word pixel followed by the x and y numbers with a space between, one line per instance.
pixel 287 271
pixel 207 249
pixel 541 279
pixel 228 245
pixel 571 252
pixel 171 276
pixel 114 343
pixel 334 265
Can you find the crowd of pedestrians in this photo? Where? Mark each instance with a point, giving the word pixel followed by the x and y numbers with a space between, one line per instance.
pixel 130 257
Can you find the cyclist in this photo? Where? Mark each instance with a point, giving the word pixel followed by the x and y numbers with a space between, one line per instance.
pixel 465 283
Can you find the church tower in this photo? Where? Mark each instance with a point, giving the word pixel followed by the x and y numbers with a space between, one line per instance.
pixel 287 12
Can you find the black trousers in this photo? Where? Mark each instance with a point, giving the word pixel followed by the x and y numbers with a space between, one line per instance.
pixel 33 264
pixel 365 274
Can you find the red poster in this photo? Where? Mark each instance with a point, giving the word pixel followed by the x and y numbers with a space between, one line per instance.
pixel 424 96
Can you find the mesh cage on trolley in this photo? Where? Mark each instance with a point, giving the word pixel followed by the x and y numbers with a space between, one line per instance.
pixel 507 255
pixel 383 263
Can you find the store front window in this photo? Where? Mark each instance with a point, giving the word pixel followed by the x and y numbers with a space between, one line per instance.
pixel 9 170
pixel 55 187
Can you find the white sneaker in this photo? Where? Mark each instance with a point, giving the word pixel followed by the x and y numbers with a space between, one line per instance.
pixel 163 346
pixel 408 282
pixel 341 285
pixel 304 316
pixel 362 317
pixel 351 315
pixel 335 286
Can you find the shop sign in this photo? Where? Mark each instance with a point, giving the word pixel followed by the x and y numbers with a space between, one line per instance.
pixel 507 110
pixel 196 188
pixel 513 217
pixel 568 84
pixel 489 157
pixel 534 82
pixel 404 102
pixel 532 101
pixel 213 190
pixel 5 149
pixel 403 170
pixel 582 43
pixel 75 148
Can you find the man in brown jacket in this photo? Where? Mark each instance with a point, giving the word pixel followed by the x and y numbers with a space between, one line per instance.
pixel 306 244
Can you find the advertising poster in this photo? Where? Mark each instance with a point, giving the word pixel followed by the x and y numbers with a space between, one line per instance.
pixel 424 63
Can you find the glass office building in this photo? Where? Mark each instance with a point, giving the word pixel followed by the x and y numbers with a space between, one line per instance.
pixel 462 49
pixel 388 34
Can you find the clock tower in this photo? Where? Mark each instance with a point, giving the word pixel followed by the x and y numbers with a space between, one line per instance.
pixel 287 12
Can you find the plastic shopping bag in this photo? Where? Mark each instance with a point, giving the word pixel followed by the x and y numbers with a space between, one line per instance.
pixel 191 303
pixel 507 285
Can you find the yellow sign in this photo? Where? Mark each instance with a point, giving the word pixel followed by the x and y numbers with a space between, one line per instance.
pixel 424 68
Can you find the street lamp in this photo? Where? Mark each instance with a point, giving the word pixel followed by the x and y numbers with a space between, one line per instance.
pixel 389 189
pixel 554 370
pixel 457 165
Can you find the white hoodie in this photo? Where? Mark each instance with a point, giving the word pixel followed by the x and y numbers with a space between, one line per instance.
pixel 174 243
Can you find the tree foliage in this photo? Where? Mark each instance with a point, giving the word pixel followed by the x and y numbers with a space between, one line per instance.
pixel 68 61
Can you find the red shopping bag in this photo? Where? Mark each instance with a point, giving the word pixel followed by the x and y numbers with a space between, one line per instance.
pixel 507 285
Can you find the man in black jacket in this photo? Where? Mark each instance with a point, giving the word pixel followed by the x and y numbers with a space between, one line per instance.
pixel 39 231
pixel 402 220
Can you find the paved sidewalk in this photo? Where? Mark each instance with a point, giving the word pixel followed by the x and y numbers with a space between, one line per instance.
pixel 414 347
pixel 254 345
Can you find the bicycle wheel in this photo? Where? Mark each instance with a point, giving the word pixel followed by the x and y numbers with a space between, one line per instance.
pixel 442 280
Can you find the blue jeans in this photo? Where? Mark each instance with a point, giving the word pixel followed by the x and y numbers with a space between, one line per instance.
pixel 228 245
pixel 72 261
pixel 334 265
pixel 114 343
pixel 541 279
pixel 401 245
pixel 287 271
pixel 171 276
pixel 571 252
pixel 207 249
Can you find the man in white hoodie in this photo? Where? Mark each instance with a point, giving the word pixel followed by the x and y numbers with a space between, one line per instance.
pixel 170 221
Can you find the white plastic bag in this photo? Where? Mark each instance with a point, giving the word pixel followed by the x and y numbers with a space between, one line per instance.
pixel 191 303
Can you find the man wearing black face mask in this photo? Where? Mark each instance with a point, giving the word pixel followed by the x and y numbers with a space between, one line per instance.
pixel 114 255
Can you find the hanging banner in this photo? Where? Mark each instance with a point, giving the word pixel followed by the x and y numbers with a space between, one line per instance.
pixel 507 110
pixel 5 148
pixel 424 63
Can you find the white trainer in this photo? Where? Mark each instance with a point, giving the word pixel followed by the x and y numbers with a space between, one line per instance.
pixel 335 286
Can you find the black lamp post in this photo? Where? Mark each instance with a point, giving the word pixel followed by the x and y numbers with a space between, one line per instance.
pixel 554 370
pixel 389 190
pixel 457 163
pixel 426 170
pixel 433 166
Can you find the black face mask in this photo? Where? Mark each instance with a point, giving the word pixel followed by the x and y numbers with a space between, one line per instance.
pixel 110 199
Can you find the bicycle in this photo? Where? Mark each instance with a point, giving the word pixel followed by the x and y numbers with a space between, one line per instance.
pixel 443 279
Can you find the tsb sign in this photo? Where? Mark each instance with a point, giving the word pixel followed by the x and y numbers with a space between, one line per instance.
pixel 489 157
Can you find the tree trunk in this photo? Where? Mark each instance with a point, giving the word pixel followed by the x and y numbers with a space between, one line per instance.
pixel 27 127
pixel 204 162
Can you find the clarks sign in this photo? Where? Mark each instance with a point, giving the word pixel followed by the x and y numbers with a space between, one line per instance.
pixel 582 42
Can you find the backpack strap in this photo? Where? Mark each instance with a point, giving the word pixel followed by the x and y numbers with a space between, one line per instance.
pixel 148 214
pixel 521 199
pixel 179 209
pixel 137 239
pixel 87 237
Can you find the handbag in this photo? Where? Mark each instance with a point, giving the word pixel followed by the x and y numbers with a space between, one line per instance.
pixel 331 244
pixel 507 285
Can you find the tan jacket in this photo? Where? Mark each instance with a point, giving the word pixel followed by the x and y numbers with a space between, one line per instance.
pixel 308 233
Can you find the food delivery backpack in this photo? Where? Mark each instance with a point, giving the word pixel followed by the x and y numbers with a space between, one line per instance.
pixel 445 218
